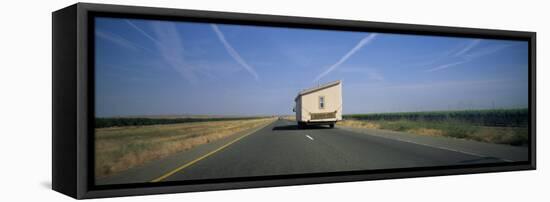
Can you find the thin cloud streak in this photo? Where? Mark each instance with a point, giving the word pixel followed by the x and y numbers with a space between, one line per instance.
pixel 116 40
pixel 445 66
pixel 486 51
pixel 123 42
pixel 357 47
pixel 468 47
pixel 439 84
pixel 141 31
pixel 458 54
pixel 233 53
pixel 466 55
pixel 171 49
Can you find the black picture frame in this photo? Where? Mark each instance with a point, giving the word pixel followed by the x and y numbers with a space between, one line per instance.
pixel 73 100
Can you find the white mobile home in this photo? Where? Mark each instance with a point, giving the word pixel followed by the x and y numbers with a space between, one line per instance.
pixel 321 105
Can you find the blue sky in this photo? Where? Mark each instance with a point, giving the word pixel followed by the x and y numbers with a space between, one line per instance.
pixel 148 67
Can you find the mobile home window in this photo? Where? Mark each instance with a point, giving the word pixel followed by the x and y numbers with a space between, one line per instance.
pixel 321 102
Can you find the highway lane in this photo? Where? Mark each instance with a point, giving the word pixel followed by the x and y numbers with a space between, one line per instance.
pixel 281 148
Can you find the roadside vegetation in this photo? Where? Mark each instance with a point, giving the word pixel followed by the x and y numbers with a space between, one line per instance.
pixel 123 147
pixel 505 126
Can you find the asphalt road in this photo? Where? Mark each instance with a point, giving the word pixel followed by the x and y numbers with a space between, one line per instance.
pixel 281 148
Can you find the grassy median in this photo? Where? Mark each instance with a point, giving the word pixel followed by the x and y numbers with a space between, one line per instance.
pixel 120 148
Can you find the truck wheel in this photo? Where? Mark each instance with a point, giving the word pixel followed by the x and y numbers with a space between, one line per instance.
pixel 331 125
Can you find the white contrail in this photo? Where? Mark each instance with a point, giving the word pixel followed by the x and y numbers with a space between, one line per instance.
pixel 141 31
pixel 116 39
pixel 458 54
pixel 171 49
pixel 468 47
pixel 468 56
pixel 234 53
pixel 445 66
pixel 486 51
pixel 357 47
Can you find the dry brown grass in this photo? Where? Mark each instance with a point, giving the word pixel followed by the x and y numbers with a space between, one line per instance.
pixel 372 125
pixel 502 135
pixel 120 148
pixel 426 131
pixel 358 124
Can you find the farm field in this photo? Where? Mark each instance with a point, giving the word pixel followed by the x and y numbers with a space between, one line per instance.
pixel 501 126
pixel 126 143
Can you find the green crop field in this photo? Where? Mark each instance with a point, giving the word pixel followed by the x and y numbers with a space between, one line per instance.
pixel 490 117
pixel 501 126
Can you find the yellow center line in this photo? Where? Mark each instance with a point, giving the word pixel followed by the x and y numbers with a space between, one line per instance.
pixel 168 174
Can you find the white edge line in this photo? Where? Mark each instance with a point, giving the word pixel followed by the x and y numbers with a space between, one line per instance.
pixel 444 148
pixel 309 137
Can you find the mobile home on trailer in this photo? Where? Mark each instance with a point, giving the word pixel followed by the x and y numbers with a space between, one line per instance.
pixel 321 105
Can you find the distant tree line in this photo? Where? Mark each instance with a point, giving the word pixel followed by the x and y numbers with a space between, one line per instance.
pixel 112 122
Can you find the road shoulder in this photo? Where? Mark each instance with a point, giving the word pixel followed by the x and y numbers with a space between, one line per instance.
pixel 503 152
pixel 154 169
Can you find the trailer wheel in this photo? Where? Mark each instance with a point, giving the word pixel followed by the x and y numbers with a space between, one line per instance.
pixel 331 125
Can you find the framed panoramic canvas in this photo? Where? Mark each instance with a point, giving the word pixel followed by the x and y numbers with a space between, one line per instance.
pixel 155 100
